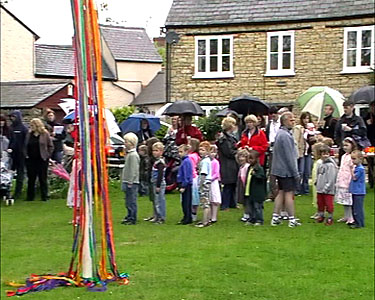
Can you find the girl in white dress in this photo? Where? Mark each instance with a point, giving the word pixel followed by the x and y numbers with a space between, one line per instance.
pixel 215 194
pixel 344 177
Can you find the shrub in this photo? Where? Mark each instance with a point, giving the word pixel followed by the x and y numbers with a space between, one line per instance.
pixel 209 126
pixel 122 113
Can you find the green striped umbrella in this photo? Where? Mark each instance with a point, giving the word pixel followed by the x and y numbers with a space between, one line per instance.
pixel 316 97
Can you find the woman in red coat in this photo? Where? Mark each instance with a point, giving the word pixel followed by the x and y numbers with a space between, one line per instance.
pixel 254 138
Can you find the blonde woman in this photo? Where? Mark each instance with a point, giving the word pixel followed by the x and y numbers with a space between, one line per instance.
pixel 38 150
pixel 227 151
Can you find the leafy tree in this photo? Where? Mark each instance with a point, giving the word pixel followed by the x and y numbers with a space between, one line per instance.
pixel 162 53
pixel 122 113
pixel 209 126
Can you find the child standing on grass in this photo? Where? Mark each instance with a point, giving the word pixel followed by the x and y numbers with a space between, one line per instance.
pixel 242 158
pixel 205 182
pixel 317 162
pixel 325 185
pixel 185 181
pixel 358 189
pixel 215 193
pixel 343 196
pixel 194 157
pixel 158 182
pixel 149 143
pixel 255 190
pixel 130 178
pixel 143 170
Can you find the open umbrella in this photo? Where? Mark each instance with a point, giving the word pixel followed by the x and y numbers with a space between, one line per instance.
pixel 365 94
pixel 246 105
pixel 226 111
pixel 184 107
pixel 133 123
pixel 315 98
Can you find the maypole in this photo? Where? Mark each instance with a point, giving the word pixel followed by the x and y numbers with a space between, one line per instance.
pixel 92 216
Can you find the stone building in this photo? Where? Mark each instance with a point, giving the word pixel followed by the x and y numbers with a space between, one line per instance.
pixel 274 50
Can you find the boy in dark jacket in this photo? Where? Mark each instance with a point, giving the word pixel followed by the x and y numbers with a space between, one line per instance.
pixel 158 183
pixel 255 190
pixel 185 181
pixel 143 170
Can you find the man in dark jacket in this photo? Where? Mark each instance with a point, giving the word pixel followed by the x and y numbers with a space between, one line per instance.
pixel 18 132
pixel 329 126
pixel 349 125
pixel 370 124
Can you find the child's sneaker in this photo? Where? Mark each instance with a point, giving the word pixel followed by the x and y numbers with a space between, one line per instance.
pixel 329 222
pixel 320 219
pixel 314 216
pixel 244 219
pixel 258 224
pixel 275 222
pixel 293 223
pixel 342 220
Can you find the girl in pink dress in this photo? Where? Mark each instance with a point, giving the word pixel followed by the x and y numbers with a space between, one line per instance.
pixel 215 194
pixel 194 158
pixel 344 177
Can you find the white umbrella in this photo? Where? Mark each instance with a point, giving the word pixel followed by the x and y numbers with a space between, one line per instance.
pixel 315 98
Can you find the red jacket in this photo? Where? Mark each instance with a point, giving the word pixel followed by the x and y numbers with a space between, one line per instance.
pixel 188 130
pixel 258 142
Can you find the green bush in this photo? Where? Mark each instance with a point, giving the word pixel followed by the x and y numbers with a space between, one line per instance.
pixel 160 134
pixel 122 113
pixel 209 126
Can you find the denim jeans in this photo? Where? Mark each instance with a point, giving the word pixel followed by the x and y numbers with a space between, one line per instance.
pixel 358 213
pixel 131 195
pixel 304 169
pixel 227 196
pixel 159 201
pixel 255 210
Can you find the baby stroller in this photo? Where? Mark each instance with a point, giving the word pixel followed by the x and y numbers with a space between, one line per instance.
pixel 6 178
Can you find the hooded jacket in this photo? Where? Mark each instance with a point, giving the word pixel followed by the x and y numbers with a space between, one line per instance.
pixel 18 132
pixel 326 177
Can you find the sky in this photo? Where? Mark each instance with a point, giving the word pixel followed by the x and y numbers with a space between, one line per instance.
pixel 52 19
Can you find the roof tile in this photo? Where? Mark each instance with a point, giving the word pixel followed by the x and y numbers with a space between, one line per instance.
pixel 130 44
pixel 26 94
pixel 209 12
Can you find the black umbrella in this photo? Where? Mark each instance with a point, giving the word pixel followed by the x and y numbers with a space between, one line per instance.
pixel 226 111
pixel 365 94
pixel 184 107
pixel 246 105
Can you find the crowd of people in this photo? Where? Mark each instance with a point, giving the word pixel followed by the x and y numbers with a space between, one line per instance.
pixel 262 162
pixel 250 162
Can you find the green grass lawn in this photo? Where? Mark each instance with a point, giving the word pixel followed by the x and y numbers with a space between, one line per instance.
pixel 224 261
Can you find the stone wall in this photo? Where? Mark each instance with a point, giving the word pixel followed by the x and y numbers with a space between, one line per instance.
pixel 318 61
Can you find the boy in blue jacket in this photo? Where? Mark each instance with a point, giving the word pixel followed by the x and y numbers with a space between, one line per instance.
pixel 185 181
pixel 357 188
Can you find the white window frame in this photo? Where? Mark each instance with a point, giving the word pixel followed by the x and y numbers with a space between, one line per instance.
pixel 219 73
pixel 280 71
pixel 358 68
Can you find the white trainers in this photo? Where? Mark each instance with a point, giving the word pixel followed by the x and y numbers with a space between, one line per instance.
pixel 294 223
pixel 275 222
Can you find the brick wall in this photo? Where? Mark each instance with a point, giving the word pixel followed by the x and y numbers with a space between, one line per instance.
pixel 318 61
